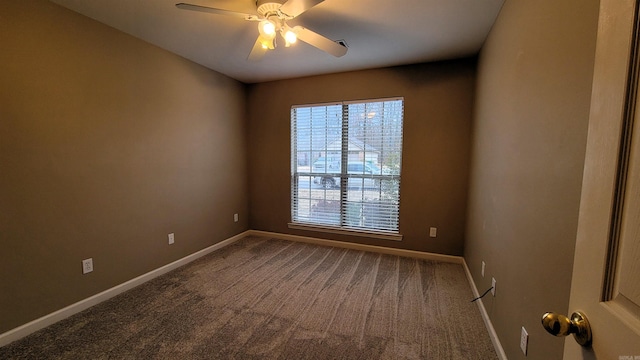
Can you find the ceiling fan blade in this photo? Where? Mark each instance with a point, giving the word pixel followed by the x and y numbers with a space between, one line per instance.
pixel 257 52
pixel 200 8
pixel 294 8
pixel 320 41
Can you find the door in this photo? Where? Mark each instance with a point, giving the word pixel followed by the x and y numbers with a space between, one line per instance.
pixel 606 273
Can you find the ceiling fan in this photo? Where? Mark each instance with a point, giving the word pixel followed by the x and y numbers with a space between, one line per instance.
pixel 272 17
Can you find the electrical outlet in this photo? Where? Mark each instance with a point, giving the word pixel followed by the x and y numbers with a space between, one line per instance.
pixel 235 217
pixel 171 238
pixel 87 265
pixel 493 286
pixel 433 232
pixel 524 341
pixel 483 265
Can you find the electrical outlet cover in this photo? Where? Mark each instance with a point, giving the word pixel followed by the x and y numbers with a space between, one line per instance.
pixel 524 340
pixel 171 238
pixel 433 232
pixel 87 265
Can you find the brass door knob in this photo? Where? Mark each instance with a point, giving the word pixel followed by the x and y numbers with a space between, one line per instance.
pixel 560 325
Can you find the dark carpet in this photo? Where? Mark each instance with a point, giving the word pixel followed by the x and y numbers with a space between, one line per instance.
pixel 262 298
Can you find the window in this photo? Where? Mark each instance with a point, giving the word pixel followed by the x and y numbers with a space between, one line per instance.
pixel 345 165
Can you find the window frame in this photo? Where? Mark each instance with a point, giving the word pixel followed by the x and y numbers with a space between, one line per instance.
pixel 344 175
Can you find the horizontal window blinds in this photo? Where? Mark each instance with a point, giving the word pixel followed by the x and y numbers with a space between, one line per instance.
pixel 345 164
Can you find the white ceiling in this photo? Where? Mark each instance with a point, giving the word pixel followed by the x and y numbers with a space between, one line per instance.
pixel 378 33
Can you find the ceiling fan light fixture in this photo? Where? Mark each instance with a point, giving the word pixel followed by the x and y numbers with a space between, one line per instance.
pixel 272 19
pixel 290 37
pixel 267 29
pixel 266 43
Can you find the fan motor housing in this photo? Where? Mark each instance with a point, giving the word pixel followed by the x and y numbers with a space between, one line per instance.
pixel 268 6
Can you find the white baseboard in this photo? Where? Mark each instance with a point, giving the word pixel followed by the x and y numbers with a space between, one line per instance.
pixel 40 323
pixel 355 246
pixel 485 316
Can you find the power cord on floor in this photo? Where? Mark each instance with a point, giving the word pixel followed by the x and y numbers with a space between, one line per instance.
pixel 481 296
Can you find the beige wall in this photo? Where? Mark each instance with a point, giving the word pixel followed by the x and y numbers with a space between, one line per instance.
pixel 534 87
pixel 437 125
pixel 107 144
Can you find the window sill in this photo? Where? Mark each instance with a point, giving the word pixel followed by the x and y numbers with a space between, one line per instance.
pixel 334 230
